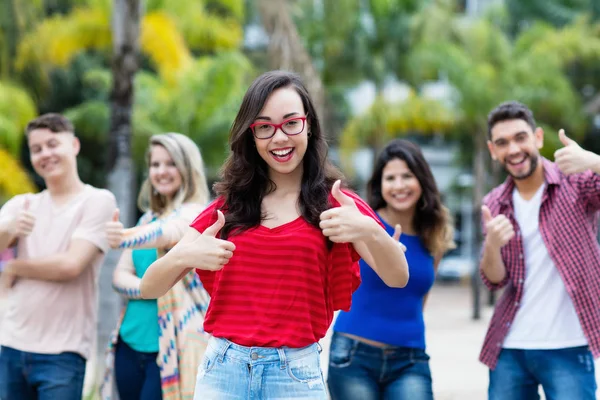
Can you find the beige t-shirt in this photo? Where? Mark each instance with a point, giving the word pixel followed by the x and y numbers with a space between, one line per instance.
pixel 54 317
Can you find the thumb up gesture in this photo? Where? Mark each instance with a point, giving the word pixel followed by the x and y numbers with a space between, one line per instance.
pixel 25 220
pixel 207 251
pixel 499 229
pixel 345 224
pixel 572 159
pixel 115 231
pixel 396 236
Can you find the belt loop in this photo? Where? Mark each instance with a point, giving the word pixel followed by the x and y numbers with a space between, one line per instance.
pixel 282 359
pixel 223 350
pixel 319 347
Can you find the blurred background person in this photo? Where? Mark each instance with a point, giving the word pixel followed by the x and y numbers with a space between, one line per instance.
pixel 51 285
pixel 157 345
pixel 378 347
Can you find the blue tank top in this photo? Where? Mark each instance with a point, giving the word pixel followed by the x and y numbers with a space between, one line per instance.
pixel 391 315
pixel 139 328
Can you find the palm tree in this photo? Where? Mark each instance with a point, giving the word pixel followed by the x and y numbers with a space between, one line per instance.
pixel 485 67
pixel 286 49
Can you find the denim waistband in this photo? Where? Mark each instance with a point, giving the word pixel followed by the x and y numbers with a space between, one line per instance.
pixel 260 355
pixel 383 351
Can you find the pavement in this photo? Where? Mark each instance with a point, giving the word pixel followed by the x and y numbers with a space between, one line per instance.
pixel 453 342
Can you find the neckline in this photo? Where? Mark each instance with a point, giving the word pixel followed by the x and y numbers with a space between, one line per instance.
pixel 538 193
pixel 57 209
pixel 287 225
pixel 388 226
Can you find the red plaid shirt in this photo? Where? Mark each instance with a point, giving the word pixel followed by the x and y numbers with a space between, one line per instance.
pixel 568 222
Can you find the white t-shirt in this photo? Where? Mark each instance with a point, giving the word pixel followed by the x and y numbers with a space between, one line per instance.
pixel 54 317
pixel 546 318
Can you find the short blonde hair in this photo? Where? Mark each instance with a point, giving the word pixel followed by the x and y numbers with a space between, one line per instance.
pixel 188 161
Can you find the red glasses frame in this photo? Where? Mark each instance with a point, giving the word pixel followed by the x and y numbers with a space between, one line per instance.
pixel 279 126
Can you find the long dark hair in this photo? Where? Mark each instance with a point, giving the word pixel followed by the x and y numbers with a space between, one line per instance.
pixel 245 176
pixel 432 221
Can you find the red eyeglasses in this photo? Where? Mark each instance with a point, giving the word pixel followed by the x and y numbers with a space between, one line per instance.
pixel 266 130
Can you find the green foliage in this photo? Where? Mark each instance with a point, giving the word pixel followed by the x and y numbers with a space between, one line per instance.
pixel 13 178
pixel 486 67
pixel 212 88
pixel 16 110
pixel 556 12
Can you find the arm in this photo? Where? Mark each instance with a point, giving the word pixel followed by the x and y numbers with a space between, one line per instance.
pixel 64 266
pixel 87 242
pixel 385 256
pixel 125 281
pixel 161 234
pixel 572 159
pixel 165 272
pixel 347 224
pixel 498 232
pixel 7 236
pixel 194 250
pixel 492 266
pixel 15 221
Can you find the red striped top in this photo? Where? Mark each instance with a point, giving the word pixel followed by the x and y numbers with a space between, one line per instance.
pixel 282 285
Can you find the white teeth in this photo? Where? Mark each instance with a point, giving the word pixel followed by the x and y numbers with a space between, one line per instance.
pixel 281 153
pixel 517 161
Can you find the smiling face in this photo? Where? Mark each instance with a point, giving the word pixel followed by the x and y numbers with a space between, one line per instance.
pixel 53 155
pixel 400 187
pixel 515 145
pixel 283 153
pixel 164 175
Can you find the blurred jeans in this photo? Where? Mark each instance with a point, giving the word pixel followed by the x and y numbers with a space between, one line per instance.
pixel 563 373
pixel 137 374
pixel 358 371
pixel 34 376
pixel 233 372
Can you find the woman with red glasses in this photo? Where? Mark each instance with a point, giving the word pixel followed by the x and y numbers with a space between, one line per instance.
pixel 277 250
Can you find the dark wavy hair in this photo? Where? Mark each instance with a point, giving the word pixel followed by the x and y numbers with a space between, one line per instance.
pixel 432 221
pixel 245 175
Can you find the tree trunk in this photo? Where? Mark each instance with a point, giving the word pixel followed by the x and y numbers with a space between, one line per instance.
pixel 478 193
pixel 125 35
pixel 287 51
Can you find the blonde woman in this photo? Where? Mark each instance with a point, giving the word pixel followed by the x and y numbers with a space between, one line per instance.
pixel 157 345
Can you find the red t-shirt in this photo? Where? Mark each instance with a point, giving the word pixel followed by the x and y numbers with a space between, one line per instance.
pixel 282 285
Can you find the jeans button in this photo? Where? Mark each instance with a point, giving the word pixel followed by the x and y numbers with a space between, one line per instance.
pixel 254 356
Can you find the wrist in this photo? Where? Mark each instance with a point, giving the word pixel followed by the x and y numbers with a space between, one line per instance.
pixel 7 227
pixel 594 163
pixel 11 267
pixel 373 233
pixel 490 246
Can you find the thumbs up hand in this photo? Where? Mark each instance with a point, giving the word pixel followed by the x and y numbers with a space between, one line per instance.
pixel 572 159
pixel 499 229
pixel 396 236
pixel 115 230
pixel 346 224
pixel 25 220
pixel 206 251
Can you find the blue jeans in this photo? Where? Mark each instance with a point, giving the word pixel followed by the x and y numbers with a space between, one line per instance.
pixel 358 371
pixel 136 374
pixel 33 376
pixel 233 372
pixel 563 373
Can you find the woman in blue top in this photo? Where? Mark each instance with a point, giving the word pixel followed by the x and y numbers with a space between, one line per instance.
pixel 378 347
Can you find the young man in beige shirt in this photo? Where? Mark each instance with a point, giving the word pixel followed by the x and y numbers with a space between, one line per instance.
pixel 50 287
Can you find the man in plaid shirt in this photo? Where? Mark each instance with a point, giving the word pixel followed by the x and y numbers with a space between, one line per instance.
pixel 541 245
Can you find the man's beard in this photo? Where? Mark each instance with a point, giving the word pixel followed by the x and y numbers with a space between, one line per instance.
pixel 532 167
